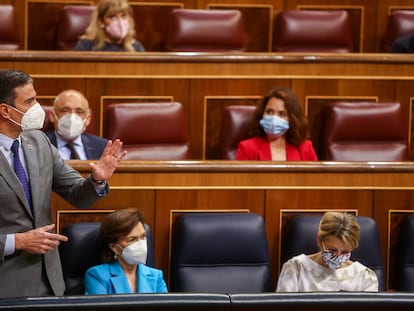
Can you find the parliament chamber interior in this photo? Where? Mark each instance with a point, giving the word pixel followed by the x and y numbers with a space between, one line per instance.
pixel 202 93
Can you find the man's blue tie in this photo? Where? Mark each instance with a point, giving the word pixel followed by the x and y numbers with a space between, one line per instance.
pixel 18 168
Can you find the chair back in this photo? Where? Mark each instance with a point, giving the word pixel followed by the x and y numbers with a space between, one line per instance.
pixel 220 253
pixel 149 131
pixel 82 251
pixel 399 23
pixel 205 31
pixel 9 30
pixel 73 21
pixel 299 237
pixel 365 132
pixel 406 256
pixel 234 128
pixel 313 31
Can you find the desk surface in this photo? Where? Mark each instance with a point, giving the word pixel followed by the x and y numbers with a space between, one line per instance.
pixel 260 65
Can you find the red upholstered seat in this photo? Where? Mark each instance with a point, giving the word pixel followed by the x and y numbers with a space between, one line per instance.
pixel 149 131
pixel 205 31
pixel 400 23
pixel 73 21
pixel 235 128
pixel 365 132
pixel 313 31
pixel 9 30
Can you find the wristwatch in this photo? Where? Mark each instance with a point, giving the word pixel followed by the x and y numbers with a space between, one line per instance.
pixel 98 182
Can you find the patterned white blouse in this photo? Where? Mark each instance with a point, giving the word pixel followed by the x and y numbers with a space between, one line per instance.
pixel 302 274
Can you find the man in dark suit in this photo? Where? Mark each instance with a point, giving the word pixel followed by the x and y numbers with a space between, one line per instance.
pixel 30 169
pixel 70 117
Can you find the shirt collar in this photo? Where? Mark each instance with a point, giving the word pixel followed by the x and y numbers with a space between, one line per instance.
pixel 6 142
pixel 60 142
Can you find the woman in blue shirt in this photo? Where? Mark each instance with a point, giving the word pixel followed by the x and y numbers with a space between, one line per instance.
pixel 124 252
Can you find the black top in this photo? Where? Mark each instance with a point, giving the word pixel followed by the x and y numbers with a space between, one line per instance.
pixel 88 45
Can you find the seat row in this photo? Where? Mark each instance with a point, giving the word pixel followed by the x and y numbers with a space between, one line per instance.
pixel 228 252
pixel 353 131
pixel 223 30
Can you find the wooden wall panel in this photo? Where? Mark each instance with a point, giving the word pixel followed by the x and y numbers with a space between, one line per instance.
pixel 42 22
pixel 213 112
pixel 205 86
pixel 278 192
pixel 37 19
pixel 151 23
pixel 258 25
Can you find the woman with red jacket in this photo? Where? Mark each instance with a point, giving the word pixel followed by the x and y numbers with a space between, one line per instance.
pixel 279 130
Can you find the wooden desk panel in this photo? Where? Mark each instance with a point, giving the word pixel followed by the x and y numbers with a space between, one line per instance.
pixel 277 191
pixel 206 83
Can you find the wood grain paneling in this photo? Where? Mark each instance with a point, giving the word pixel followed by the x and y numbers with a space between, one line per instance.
pixel 277 191
pixel 206 83
pixel 37 19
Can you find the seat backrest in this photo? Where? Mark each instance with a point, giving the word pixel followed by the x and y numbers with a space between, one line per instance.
pixel 399 23
pixel 9 30
pixel 300 233
pixel 149 131
pixel 365 132
pixel 82 251
pixel 73 21
pixel 235 127
pixel 220 253
pixel 48 125
pixel 313 31
pixel 406 256
pixel 205 31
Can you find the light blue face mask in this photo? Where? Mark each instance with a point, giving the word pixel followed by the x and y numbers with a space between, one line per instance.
pixel 274 125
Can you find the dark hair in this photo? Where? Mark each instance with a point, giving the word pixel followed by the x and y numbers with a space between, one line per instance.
pixel 298 124
pixel 10 79
pixel 115 226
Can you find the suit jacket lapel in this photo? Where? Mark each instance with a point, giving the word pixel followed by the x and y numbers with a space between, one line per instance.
pixel 33 170
pixel 264 150
pixel 10 177
pixel 118 279
pixel 146 280
pixel 89 149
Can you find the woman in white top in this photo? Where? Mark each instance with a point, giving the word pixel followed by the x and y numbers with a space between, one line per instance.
pixel 330 269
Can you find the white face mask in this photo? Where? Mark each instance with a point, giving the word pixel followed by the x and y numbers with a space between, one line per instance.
pixel 70 126
pixel 33 119
pixel 135 253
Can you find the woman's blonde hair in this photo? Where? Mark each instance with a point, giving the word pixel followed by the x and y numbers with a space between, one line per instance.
pixel 343 226
pixel 106 8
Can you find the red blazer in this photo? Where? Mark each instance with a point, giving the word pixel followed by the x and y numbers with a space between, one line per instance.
pixel 258 148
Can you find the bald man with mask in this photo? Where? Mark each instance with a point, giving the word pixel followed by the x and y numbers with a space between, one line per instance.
pixel 70 117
